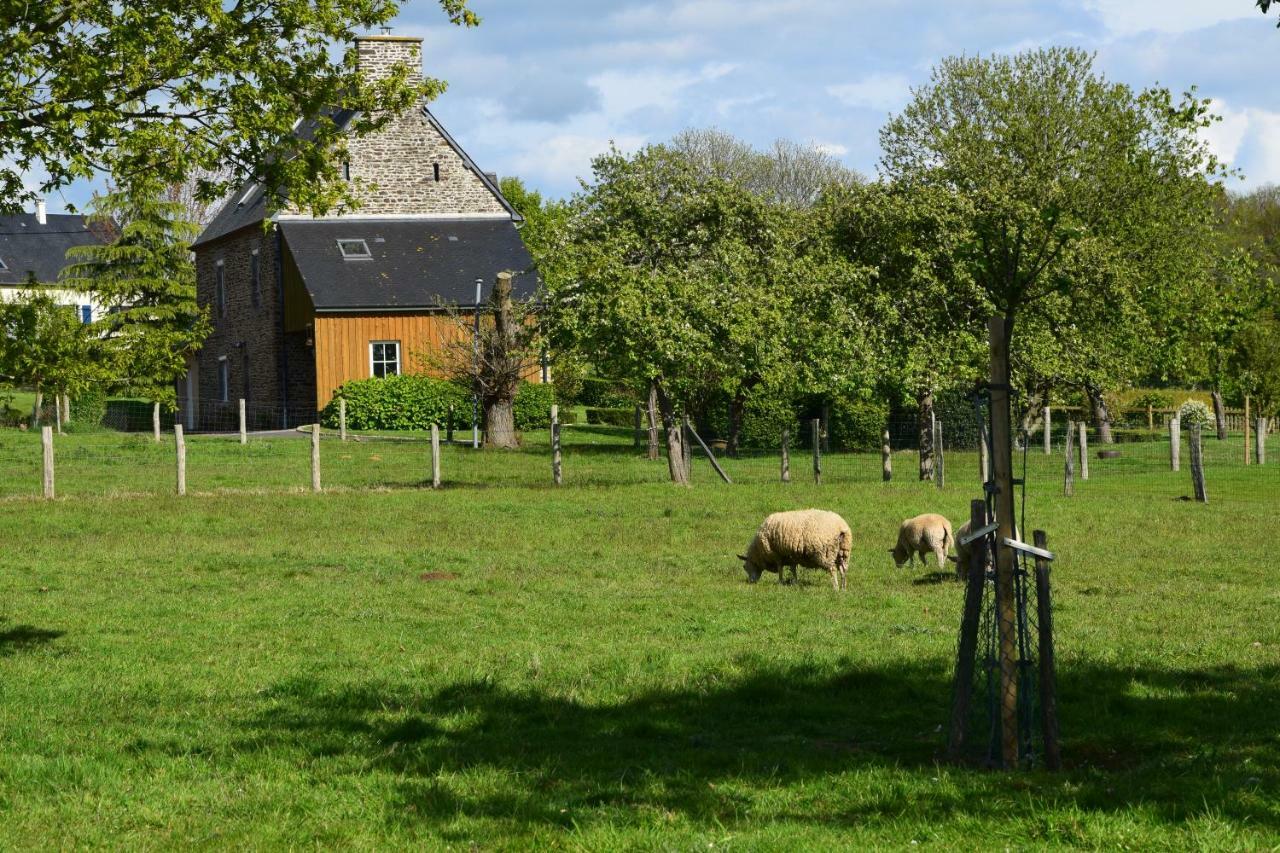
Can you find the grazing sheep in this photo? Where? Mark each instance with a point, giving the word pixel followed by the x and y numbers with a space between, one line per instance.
pixel 921 535
pixel 814 538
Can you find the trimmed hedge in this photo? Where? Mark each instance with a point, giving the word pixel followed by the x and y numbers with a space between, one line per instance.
pixel 611 417
pixel 89 407
pixel 415 402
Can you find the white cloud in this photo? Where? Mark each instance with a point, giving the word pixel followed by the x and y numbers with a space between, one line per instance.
pixel 1129 17
pixel 1225 137
pixel 625 92
pixel 1247 139
pixel 877 91
pixel 832 149
pixel 563 158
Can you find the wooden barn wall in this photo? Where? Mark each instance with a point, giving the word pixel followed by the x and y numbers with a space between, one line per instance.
pixel 342 344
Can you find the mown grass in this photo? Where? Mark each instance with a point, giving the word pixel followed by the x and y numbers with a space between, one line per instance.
pixel 503 664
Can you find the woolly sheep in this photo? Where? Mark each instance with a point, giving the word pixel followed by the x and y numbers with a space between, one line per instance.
pixel 813 538
pixel 921 535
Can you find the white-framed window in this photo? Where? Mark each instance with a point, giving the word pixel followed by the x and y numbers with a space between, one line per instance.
pixel 220 288
pixel 224 379
pixel 384 358
pixel 255 278
pixel 354 249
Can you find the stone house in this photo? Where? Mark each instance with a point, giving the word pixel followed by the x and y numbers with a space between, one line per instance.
pixel 301 304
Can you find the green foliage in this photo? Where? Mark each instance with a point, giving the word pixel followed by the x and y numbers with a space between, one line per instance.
pixel 611 417
pixel 406 402
pixel 1194 412
pixel 532 407
pixel 765 416
pixel 1258 360
pixel 607 393
pixel 145 281
pixel 1155 399
pixel 157 90
pixel 44 345
pixel 89 407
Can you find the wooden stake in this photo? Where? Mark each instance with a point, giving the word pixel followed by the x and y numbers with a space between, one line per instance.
pixel 1151 419
pixel 1048 431
pixel 1084 450
pixel 886 458
pixel 155 422
pixel 1260 437
pixel 786 456
pixel 66 408
pixel 1069 464
pixel 244 432
pixel 46 442
pixel 1247 425
pixel 180 443
pixel 315 457
pixel 976 576
pixel 1197 464
pixel 1006 608
pixel 652 413
pixel 1175 443
pixel 57 411
pixel 711 457
pixel 1048 663
pixel 342 420
pixel 984 453
pixel 435 456
pixel 815 428
pixel 635 433
pixel 940 466
pixel 556 461
pixel 448 427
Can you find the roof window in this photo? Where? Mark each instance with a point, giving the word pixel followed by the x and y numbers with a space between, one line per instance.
pixel 354 250
pixel 3 265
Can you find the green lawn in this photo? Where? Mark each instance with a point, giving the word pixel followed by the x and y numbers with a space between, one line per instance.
pixel 502 664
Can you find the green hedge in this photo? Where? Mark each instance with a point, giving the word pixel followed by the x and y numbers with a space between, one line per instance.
pixel 89 407
pixel 415 402
pixel 611 416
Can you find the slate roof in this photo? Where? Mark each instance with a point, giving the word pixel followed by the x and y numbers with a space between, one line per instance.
pixel 26 245
pixel 248 206
pixel 417 263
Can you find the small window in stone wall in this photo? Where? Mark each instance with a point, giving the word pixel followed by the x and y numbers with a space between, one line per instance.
pixel 435 170
pixel 255 279
pixel 220 288
pixel 346 170
pixel 224 379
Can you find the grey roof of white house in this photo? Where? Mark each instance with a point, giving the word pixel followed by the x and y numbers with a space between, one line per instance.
pixel 415 264
pixel 26 246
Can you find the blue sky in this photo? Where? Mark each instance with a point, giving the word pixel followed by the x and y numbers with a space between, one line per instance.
pixel 542 86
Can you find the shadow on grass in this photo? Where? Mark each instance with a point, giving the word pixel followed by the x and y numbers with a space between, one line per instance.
pixel 21 638
pixel 1170 744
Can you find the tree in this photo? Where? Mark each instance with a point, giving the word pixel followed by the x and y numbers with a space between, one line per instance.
pixel 644 280
pixel 159 89
pixel 1257 361
pixel 1070 187
pixel 145 281
pixel 789 173
pixel 45 345
pixel 1265 6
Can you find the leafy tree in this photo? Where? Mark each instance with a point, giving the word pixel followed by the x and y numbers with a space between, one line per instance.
pixel 159 89
pixel 1257 361
pixel 145 280
pixel 45 345
pixel 1070 188
pixel 1265 6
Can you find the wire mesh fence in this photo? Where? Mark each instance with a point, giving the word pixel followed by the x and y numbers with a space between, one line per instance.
pixel 126 454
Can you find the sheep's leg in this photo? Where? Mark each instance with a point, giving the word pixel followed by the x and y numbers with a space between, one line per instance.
pixel 941 554
pixel 795 578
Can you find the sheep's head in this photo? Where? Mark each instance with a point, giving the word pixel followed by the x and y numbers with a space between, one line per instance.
pixel 753 571
pixel 900 556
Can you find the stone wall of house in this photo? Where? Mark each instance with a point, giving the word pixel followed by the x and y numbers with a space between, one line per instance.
pixel 378 55
pixel 248 334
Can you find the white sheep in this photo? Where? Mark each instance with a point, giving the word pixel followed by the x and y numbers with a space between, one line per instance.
pixel 921 535
pixel 814 538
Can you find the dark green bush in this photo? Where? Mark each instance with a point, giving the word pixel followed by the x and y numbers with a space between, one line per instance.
pixel 856 424
pixel 409 402
pixel 598 393
pixel 89 407
pixel 764 417
pixel 611 417
pixel 532 408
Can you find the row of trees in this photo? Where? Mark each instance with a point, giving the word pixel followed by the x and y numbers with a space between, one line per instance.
pixel 1090 216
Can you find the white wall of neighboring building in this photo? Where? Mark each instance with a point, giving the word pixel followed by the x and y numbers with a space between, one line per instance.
pixel 9 293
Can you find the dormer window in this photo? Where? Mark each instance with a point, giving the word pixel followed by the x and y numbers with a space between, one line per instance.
pixel 3 265
pixel 354 250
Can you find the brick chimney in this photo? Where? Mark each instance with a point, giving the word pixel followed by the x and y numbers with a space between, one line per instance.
pixel 377 54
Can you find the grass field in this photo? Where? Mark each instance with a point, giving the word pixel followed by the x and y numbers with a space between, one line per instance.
pixel 502 664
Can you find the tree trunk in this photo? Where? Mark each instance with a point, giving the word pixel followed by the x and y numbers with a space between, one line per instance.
pixel 500 424
pixel 653 420
pixel 677 463
pixel 924 402
pixel 1101 416
pixel 1219 414
pixel 736 408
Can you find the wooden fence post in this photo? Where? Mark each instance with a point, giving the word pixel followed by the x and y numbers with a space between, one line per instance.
pixel 686 446
pixel 46 442
pixel 448 427
pixel 315 457
pixel 886 458
pixel 556 461
pixel 635 435
pixel 940 466
pixel 786 456
pixel 1151 418
pixel 155 422
pixel 1175 443
pixel 815 427
pixel 651 413
pixel 1197 464
pixel 984 453
pixel 342 420
pixel 1260 437
pixel 1069 465
pixel 1247 425
pixel 711 457
pixel 1084 450
pixel 180 443
pixel 66 408
pixel 244 433
pixel 1048 663
pixel 1048 431
pixel 57 411
pixel 435 456
pixel 976 578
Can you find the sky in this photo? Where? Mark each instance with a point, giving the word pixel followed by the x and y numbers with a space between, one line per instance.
pixel 540 87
